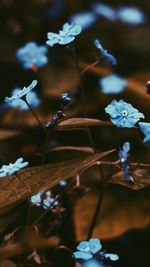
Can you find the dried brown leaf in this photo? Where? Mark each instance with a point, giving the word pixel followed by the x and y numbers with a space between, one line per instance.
pixel 42 178
pixel 122 210
pixel 72 148
pixel 4 134
pixel 141 179
pixel 81 122
pixel 6 263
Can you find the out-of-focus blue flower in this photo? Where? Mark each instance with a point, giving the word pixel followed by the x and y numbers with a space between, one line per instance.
pixel 124 155
pixel 112 84
pixel 131 15
pixel 93 263
pixel 63 183
pixel 32 99
pixel 145 128
pixel 104 53
pixel 32 55
pixel 65 36
pixel 44 199
pixel 21 93
pixel 10 169
pixel 84 19
pixel 104 10
pixel 123 114
pixel 86 249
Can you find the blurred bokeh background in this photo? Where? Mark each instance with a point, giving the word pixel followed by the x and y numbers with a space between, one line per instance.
pixel 123 27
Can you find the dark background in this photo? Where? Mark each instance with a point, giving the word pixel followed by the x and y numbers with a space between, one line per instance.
pixel 24 21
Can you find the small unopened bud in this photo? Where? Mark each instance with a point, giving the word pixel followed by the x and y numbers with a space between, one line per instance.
pixel 148 87
pixel 66 99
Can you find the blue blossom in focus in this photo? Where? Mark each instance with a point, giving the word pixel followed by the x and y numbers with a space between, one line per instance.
pixel 21 93
pixel 123 114
pixel 32 55
pixel 124 155
pixel 87 249
pixel 10 169
pixel 104 10
pixel 112 84
pixel 145 129
pixel 104 54
pixel 31 97
pixel 44 199
pixel 65 36
pixel 84 19
pixel 131 15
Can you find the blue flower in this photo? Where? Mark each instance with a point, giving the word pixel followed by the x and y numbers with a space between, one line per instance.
pixel 112 84
pixel 131 15
pixel 44 199
pixel 21 93
pixel 84 19
pixel 86 249
pixel 123 114
pixel 65 36
pixel 104 53
pixel 32 99
pixel 104 10
pixel 145 128
pixel 10 169
pixel 124 155
pixel 31 55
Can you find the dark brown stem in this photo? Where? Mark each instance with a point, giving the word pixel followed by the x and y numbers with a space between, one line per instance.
pixel 90 67
pixel 34 114
pixel 98 206
pixel 99 203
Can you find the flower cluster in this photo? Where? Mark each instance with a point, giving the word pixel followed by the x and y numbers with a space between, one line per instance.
pixel 31 55
pixel 20 94
pixel 44 199
pixel 7 170
pixel 86 250
pixel 123 114
pixel 65 36
pixel 104 53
